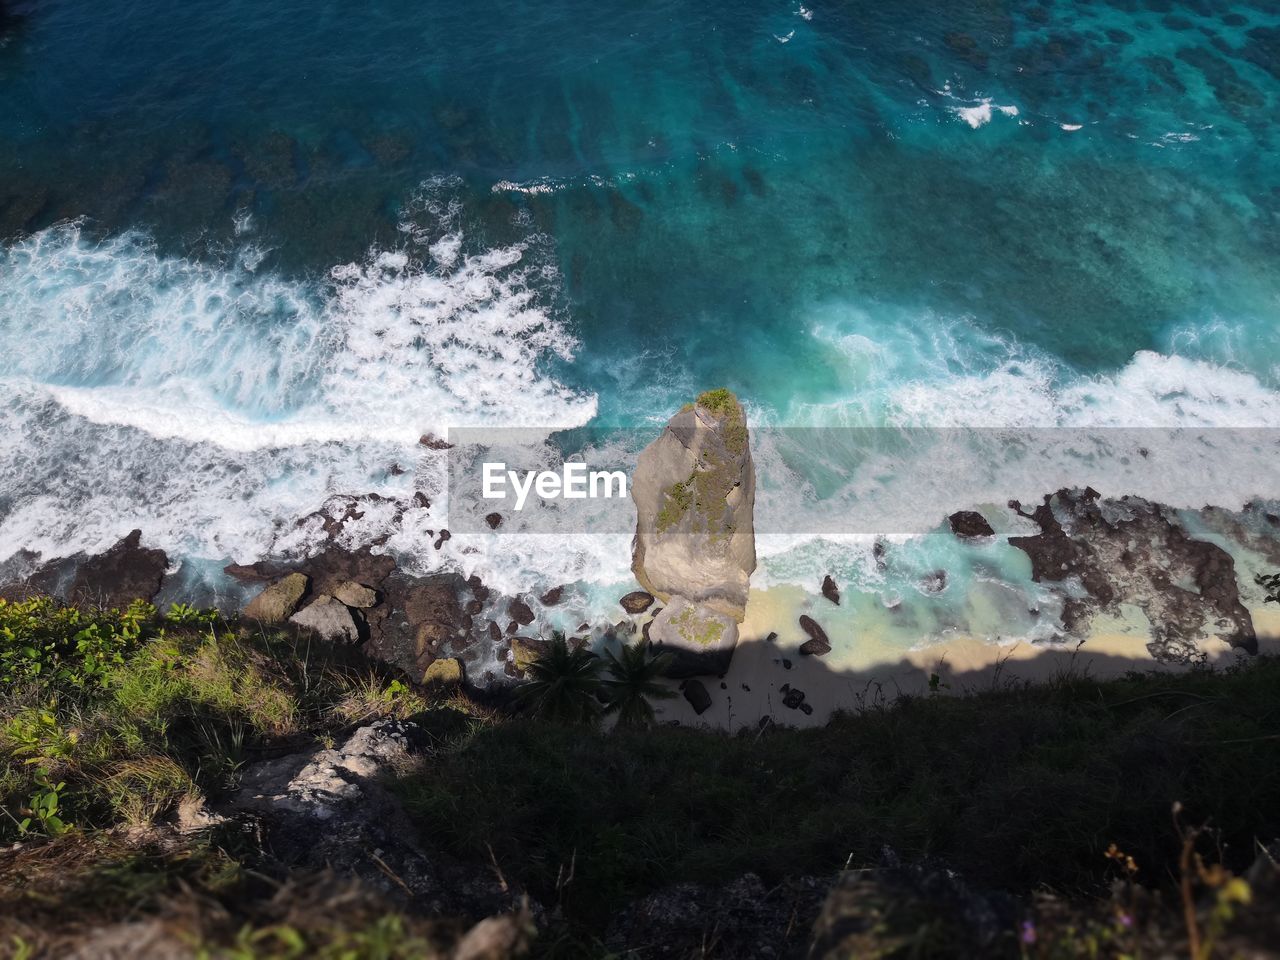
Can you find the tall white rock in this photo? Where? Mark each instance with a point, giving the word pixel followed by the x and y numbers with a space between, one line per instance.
pixel 694 489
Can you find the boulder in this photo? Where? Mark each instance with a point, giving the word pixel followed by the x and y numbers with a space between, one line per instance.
pixel 830 590
pixel 126 572
pixel 637 601
pixel 817 645
pixel 970 524
pixel 696 693
pixel 700 639
pixel 552 597
pixel 445 672
pixel 329 619
pixel 694 490
pixel 527 650
pixel 278 602
pixel 520 612
pixel 355 595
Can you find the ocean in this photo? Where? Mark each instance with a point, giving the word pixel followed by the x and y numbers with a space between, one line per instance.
pixel 255 250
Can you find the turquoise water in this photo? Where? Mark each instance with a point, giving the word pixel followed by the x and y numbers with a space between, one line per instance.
pixel 302 234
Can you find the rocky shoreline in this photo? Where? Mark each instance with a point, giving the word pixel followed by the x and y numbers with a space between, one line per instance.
pixel 693 556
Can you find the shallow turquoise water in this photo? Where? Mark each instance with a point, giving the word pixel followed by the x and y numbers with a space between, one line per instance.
pixel 571 212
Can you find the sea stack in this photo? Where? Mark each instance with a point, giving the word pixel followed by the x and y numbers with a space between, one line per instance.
pixel 695 548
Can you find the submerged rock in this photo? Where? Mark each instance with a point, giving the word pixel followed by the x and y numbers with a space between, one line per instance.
pixel 278 602
pixel 694 489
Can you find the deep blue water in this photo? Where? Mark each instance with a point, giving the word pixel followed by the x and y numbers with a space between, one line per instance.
pixel 565 212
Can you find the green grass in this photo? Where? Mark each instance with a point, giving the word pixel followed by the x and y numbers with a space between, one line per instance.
pixel 132 712
pixel 1017 789
pixel 113 718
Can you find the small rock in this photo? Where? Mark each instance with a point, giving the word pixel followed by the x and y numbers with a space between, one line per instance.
pixel 494 520
pixel 473 607
pixel 495 631
pixel 970 524
pixel 696 693
pixel 355 595
pixel 637 601
pixel 432 442
pixel 331 620
pixel 817 645
pixel 278 602
pixel 444 535
pixel 552 597
pixel 512 628
pixel 446 672
pixel 830 590
pixel 496 938
pixel 420 500
pixel 792 698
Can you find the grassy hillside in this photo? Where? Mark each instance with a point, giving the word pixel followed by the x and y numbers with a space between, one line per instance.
pixel 1055 800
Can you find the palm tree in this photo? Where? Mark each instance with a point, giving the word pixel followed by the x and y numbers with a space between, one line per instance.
pixel 562 684
pixel 633 681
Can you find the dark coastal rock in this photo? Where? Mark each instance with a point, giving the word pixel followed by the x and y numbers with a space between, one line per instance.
pixel 743 918
pixel 126 572
pixel 830 590
pixel 970 524
pixel 495 632
pixel 473 607
pixel 552 597
pixel 477 588
pixel 1132 551
pixel 494 520
pixel 794 698
pixel 637 601
pixel 520 612
pixel 696 693
pixel 278 602
pixel 817 645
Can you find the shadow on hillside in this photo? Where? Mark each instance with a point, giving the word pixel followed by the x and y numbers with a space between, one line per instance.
pixel 771 680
